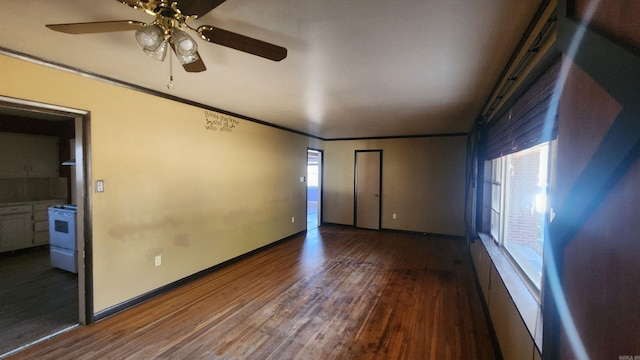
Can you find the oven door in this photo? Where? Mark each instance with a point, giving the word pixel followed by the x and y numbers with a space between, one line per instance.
pixel 62 229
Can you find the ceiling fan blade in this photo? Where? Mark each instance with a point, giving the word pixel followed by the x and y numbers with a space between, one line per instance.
pixel 197 7
pixel 196 66
pixel 242 43
pixel 97 27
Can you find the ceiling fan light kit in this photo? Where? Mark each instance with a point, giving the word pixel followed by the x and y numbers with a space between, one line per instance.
pixel 151 38
pixel 166 30
pixel 159 53
pixel 186 48
pixel 154 41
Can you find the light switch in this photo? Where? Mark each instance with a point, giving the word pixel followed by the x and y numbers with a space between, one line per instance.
pixel 99 185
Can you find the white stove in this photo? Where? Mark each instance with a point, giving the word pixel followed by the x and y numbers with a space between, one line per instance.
pixel 62 237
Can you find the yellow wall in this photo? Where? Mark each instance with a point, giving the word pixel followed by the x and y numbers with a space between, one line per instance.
pixel 195 196
pixel 422 182
pixel 199 197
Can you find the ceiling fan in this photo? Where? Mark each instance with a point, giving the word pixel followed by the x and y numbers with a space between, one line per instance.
pixel 171 17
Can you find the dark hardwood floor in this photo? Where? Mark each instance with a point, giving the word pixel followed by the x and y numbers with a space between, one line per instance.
pixel 36 299
pixel 334 293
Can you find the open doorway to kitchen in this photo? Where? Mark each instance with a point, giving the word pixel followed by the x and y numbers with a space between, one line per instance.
pixel 42 168
pixel 314 188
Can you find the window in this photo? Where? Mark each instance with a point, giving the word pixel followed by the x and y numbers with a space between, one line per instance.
pixel 496 197
pixel 519 207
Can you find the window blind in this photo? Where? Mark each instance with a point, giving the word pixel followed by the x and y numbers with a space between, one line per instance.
pixel 523 125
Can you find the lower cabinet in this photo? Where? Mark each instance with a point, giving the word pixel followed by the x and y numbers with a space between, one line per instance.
pixel 16 227
pixel 25 225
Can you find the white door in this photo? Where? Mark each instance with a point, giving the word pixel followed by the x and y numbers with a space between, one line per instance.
pixel 368 176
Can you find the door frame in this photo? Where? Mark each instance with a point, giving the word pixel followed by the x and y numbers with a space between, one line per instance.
pixel 320 182
pixel 84 239
pixel 355 187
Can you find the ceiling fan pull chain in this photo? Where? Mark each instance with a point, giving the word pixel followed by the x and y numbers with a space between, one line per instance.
pixel 170 84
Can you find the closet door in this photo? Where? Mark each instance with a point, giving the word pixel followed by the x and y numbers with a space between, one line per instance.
pixel 367 188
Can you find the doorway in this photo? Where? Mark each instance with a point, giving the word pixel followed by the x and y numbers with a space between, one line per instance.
pixel 314 188
pixel 45 300
pixel 368 188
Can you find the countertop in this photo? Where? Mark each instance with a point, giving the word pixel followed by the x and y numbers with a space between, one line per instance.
pixel 13 202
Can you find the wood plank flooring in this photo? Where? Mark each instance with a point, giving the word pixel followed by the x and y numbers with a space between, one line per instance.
pixel 334 293
pixel 36 299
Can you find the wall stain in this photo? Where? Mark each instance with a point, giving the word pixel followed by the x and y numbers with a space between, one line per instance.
pixel 130 231
pixel 181 240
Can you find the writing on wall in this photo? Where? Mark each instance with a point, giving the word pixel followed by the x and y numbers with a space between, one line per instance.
pixel 221 123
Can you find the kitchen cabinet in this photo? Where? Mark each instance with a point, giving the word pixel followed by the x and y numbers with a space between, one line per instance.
pixel 24 155
pixel 24 225
pixel 16 227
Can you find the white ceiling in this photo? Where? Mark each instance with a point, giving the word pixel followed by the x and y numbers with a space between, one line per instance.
pixel 355 68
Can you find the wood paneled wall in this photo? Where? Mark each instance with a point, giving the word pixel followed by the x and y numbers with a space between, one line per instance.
pixel 617 19
pixel 601 263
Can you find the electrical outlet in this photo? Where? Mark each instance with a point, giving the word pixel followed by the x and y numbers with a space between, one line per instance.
pixel 394 216
pixel 99 185
pixel 158 260
pixel 293 219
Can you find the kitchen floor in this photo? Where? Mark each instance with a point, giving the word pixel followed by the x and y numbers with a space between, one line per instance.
pixel 36 299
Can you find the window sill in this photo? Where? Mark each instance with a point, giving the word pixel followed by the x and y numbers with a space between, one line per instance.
pixel 524 300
